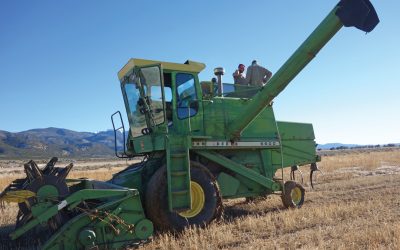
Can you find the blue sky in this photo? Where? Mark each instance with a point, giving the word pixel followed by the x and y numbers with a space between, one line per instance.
pixel 59 60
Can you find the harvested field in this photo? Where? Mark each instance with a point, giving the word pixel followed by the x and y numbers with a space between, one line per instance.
pixel 355 205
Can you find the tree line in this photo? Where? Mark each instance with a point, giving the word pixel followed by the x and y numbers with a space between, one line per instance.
pixel 389 145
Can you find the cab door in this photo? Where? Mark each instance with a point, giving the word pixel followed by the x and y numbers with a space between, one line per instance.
pixel 187 101
pixel 153 91
pixel 152 105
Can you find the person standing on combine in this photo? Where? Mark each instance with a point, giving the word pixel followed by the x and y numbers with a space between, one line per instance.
pixel 238 76
pixel 257 75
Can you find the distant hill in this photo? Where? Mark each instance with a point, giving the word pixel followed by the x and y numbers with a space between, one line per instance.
pixel 335 145
pixel 48 142
pixel 344 146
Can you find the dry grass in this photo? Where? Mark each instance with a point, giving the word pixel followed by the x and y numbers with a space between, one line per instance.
pixel 356 205
pixel 335 218
pixel 367 160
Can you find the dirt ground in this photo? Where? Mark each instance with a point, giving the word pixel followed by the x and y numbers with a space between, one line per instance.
pixel 355 205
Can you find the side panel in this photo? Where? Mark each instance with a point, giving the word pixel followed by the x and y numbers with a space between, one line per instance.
pixel 146 143
pixel 298 143
pixel 219 113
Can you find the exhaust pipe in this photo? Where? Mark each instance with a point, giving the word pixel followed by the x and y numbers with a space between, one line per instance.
pixel 219 72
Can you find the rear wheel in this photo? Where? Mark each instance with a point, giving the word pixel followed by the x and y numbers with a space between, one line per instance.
pixel 293 195
pixel 206 200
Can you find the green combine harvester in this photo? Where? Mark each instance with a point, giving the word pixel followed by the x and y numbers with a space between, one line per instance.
pixel 199 143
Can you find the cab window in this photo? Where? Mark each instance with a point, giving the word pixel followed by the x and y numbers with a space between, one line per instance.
pixel 187 105
pixel 151 81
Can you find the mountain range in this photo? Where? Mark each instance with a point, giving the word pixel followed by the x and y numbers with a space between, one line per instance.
pixel 48 142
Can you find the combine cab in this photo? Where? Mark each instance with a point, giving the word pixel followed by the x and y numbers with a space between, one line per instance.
pixel 199 145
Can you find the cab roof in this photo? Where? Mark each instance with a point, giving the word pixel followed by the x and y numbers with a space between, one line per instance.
pixel 189 66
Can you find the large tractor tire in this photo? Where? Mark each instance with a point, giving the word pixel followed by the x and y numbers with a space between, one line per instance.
pixel 206 200
pixel 293 195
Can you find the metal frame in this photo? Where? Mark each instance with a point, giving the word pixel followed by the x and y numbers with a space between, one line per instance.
pixel 124 155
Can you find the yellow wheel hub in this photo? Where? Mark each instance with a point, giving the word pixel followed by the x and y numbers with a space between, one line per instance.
pixel 296 195
pixel 198 199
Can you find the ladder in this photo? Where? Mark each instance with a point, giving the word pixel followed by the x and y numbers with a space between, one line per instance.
pixel 178 173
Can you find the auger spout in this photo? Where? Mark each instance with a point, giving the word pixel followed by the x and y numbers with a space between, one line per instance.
pixel 358 13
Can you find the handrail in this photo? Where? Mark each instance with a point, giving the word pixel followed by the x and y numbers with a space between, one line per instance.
pixel 124 155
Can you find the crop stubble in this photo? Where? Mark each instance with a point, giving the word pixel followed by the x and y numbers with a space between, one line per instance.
pixel 355 205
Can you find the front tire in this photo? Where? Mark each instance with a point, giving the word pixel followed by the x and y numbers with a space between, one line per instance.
pixel 206 200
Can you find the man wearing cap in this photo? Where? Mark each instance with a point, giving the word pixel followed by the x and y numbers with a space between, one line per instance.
pixel 257 75
pixel 238 76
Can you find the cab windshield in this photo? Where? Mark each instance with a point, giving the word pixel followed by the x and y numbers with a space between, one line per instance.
pixel 148 85
pixel 137 119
